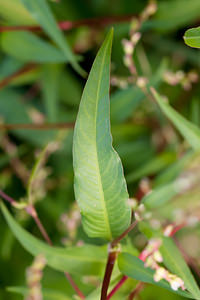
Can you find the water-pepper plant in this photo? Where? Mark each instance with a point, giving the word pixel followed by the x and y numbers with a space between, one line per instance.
pixel 99 188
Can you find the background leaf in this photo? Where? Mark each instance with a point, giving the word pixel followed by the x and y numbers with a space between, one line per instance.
pixel 29 47
pixel 40 11
pixel 176 264
pixel 189 131
pixel 86 260
pixel 134 268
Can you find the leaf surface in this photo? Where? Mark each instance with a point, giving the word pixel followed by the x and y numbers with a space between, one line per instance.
pixel 100 186
pixel 29 47
pixel 192 37
pixel 82 260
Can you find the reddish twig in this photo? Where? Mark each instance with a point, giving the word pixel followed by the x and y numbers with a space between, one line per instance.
pixel 33 126
pixel 117 287
pixel 30 209
pixel 68 25
pixel 7 198
pixel 117 240
pixel 10 78
pixel 136 291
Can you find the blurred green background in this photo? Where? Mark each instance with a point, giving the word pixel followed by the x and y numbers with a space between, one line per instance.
pixel 50 91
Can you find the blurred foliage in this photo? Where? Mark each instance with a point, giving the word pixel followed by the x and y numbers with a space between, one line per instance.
pixel 156 154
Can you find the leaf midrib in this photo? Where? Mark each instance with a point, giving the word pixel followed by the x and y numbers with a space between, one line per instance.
pixel 97 158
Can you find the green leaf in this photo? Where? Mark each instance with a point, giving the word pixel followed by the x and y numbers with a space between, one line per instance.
pixel 171 15
pixel 85 260
pixel 134 267
pixel 48 294
pixel 153 166
pixel 176 264
pixel 29 47
pixel 189 131
pixel 100 186
pixel 192 37
pixel 41 12
pixel 160 195
pixel 15 13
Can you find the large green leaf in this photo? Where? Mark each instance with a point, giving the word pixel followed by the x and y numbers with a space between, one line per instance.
pixel 41 12
pixel 134 267
pixel 189 131
pixel 29 47
pixel 192 37
pixel 176 264
pixel 100 186
pixel 82 260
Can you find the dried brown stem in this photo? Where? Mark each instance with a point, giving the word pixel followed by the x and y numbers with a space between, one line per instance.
pixel 68 25
pixel 32 126
pixel 25 69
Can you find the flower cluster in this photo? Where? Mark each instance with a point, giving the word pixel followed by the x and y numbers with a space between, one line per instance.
pixel 33 276
pixel 152 258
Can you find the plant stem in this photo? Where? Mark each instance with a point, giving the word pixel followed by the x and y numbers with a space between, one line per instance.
pixel 68 25
pixel 30 209
pixel 108 272
pixel 25 69
pixel 136 291
pixel 7 198
pixel 118 239
pixel 117 287
pixel 44 126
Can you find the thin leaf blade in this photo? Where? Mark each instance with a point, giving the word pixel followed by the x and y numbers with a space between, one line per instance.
pixel 133 267
pixel 87 259
pixel 188 130
pixel 41 12
pixel 100 187
pixel 176 264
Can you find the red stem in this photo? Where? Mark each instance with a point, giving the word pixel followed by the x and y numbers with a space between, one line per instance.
pixel 117 287
pixel 117 240
pixel 136 291
pixel 7 198
pixel 68 25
